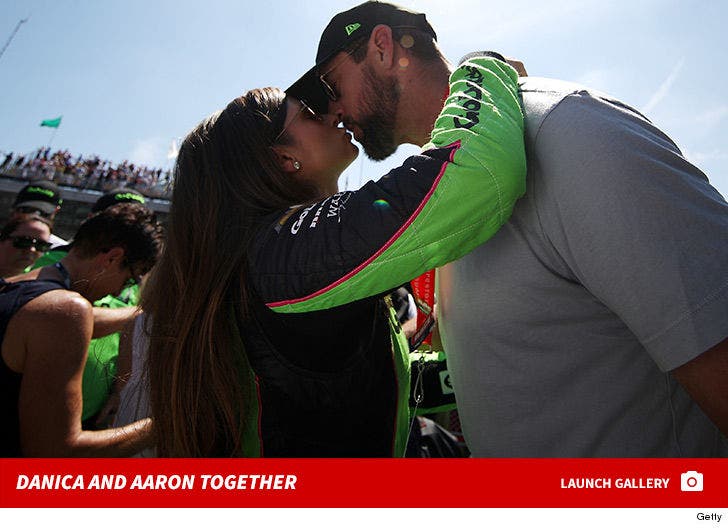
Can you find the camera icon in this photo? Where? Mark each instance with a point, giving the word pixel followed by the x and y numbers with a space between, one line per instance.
pixel 691 481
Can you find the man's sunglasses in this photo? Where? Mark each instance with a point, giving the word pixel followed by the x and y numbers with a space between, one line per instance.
pixel 25 242
pixel 329 89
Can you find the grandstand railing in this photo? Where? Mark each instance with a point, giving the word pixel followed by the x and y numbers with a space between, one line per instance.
pixel 81 178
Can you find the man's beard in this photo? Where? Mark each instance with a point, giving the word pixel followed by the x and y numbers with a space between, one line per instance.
pixel 381 99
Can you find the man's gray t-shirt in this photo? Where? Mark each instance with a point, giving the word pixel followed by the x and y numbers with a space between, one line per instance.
pixel 561 330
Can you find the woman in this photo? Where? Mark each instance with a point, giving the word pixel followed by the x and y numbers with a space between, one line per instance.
pixel 270 330
pixel 22 241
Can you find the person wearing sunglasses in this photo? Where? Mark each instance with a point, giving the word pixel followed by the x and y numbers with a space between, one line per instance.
pixel 270 329
pixel 22 241
pixel 46 324
pixel 41 198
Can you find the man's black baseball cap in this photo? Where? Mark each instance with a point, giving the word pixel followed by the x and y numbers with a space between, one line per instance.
pixel 348 26
pixel 43 195
pixel 117 196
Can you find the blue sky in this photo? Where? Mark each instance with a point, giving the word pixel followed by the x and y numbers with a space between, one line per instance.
pixel 129 77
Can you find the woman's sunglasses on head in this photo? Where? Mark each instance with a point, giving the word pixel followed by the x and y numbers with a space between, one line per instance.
pixel 305 111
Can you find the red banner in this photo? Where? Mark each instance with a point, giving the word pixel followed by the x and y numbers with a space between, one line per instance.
pixel 349 483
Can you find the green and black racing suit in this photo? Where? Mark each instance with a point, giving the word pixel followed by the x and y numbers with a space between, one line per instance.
pixel 328 359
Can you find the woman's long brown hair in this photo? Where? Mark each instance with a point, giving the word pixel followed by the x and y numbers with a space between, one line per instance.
pixel 227 177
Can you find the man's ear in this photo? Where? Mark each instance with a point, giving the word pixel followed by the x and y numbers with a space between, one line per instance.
pixel 286 158
pixel 115 254
pixel 381 46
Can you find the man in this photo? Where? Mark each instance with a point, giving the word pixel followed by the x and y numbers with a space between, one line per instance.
pixel 594 323
pixel 41 197
pixel 116 196
pixel 46 322
pixel 110 315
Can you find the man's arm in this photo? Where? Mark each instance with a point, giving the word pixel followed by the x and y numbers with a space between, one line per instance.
pixel 110 320
pixel 433 209
pixel 705 378
pixel 56 329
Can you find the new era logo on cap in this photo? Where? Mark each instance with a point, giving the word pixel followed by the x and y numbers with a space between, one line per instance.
pixel 351 28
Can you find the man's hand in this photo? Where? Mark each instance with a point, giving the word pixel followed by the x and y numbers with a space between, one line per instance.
pixel 705 378
pixel 107 414
pixel 518 66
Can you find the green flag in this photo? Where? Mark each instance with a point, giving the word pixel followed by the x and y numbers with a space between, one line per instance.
pixel 53 123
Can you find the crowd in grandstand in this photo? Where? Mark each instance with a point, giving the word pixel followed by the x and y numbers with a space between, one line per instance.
pixel 86 172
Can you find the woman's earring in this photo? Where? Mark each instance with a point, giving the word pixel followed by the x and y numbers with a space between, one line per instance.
pixel 296 165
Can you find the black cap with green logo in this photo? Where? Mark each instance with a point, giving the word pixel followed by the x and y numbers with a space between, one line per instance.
pixel 346 27
pixel 43 195
pixel 117 196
